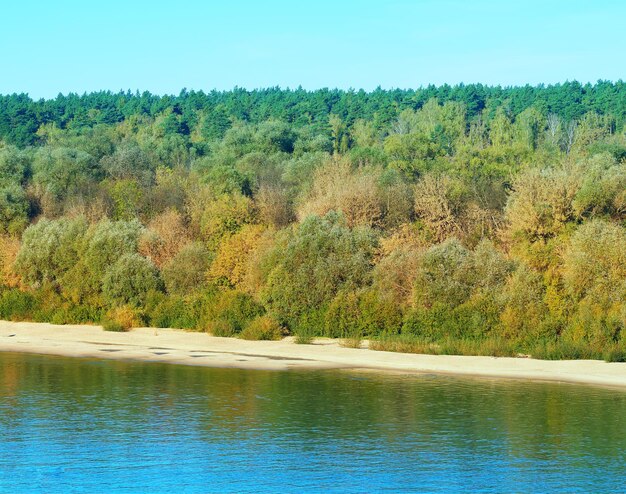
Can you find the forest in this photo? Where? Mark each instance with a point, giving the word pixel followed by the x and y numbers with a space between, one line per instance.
pixel 461 219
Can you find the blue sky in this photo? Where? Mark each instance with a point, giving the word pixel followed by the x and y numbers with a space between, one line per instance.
pixel 67 45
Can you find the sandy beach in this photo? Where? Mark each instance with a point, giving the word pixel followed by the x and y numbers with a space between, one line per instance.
pixel 199 349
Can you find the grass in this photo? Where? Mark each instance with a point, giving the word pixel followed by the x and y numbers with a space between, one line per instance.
pixel 402 344
pixel 115 326
pixel 496 347
pixel 351 342
pixel 303 339
pixel 262 328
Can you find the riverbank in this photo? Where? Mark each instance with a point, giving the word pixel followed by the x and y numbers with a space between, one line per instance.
pixel 200 349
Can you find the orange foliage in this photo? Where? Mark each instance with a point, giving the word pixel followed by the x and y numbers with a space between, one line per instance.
pixel 165 236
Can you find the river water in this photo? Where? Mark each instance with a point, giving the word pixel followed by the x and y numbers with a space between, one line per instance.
pixel 73 425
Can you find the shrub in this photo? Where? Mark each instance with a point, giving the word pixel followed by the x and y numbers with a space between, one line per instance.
pixel 615 353
pixel 444 276
pixel 357 314
pixel 228 312
pixel 440 203
pixel 50 248
pixel 14 209
pixel 603 187
pixel 120 319
pixel 165 236
pixel 274 206
pixel 224 216
pixel 541 203
pixel 174 311
pixel 310 264
pixel 16 305
pixel 107 242
pixel 525 312
pixel 115 326
pixel 221 328
pixel 9 249
pixel 187 270
pixel 69 313
pixel 355 193
pixel 262 328
pixel 595 261
pixel 308 325
pixel 231 262
pixel 129 280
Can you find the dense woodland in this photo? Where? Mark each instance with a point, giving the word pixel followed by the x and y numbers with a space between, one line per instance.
pixel 465 219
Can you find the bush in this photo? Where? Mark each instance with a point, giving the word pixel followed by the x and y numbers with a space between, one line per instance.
pixel 355 193
pixel 72 314
pixel 120 319
pixel 49 250
pixel 228 312
pixel 312 263
pixel 107 242
pixel 232 259
pixel 225 216
pixel 309 325
pixel 595 261
pixel 174 311
pixel 16 305
pixel 358 314
pixel 221 328
pixel 187 270
pixel 115 326
pixel 9 249
pixel 445 275
pixel 615 353
pixel 262 328
pixel 165 236
pixel 14 209
pixel 129 280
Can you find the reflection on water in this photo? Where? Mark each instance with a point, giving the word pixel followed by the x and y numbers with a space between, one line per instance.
pixel 69 425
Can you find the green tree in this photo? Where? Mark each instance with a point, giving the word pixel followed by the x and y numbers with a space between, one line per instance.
pixel 310 264
pixel 129 280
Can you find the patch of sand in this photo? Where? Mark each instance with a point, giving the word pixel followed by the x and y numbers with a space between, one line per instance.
pixel 189 348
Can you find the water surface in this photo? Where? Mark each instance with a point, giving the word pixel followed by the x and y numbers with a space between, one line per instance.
pixel 73 425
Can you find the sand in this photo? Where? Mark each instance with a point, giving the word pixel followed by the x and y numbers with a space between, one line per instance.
pixel 199 349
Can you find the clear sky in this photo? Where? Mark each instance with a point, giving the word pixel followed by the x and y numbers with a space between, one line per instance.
pixel 75 46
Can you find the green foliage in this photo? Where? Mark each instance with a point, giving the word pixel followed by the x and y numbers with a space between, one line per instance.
pixel 107 242
pixel 50 249
pixel 16 305
pixel 224 216
pixel 310 264
pixel 595 262
pixel 228 312
pixel 308 325
pixel 114 326
pixel 61 172
pixel 461 219
pixel 15 165
pixel 358 314
pixel 262 328
pixel 14 209
pixel 129 280
pixel 187 270
pixel 174 311
pixel 445 275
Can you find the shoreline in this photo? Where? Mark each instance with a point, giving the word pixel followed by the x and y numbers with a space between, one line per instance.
pixel 199 349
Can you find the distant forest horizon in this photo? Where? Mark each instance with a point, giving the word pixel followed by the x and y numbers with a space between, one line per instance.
pixel 21 116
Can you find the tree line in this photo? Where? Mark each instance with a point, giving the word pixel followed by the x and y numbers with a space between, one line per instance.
pixel 465 219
